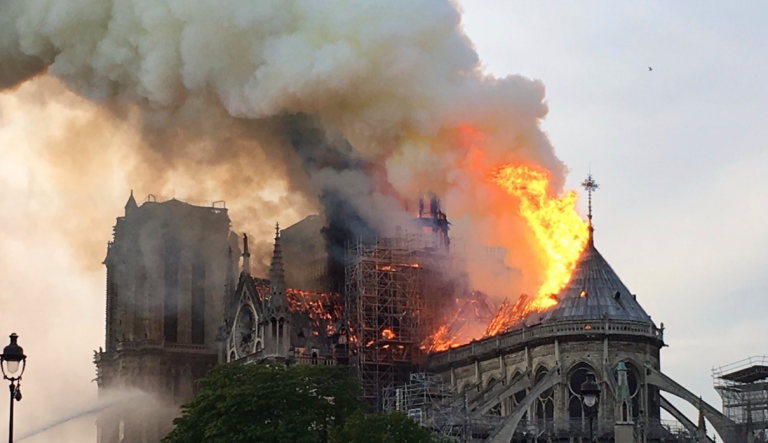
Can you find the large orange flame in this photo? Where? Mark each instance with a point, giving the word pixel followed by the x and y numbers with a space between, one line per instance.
pixel 558 228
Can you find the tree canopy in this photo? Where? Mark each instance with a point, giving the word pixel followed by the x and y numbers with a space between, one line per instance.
pixel 274 403
pixel 381 428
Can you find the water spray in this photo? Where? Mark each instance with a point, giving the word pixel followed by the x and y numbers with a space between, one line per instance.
pixel 98 406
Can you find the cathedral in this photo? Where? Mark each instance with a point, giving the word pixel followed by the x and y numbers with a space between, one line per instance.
pixel 181 297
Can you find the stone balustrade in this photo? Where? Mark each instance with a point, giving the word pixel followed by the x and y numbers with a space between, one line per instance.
pixel 523 336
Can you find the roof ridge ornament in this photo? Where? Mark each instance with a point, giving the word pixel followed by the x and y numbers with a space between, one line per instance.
pixel 590 185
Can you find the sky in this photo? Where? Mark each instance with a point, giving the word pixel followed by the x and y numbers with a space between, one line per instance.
pixel 678 151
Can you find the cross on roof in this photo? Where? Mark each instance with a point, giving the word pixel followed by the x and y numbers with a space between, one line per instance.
pixel 590 185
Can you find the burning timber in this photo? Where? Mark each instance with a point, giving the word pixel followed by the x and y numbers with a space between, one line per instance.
pixel 402 318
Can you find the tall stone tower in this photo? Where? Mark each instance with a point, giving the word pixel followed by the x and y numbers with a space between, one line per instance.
pixel 166 282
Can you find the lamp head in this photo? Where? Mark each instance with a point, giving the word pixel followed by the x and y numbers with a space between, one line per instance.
pixel 13 360
pixel 590 391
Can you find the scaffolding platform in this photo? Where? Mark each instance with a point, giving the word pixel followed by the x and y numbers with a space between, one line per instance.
pixel 743 387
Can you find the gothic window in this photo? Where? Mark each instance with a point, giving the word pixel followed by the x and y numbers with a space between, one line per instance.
pixel 654 403
pixel 198 300
pixel 496 410
pixel 545 404
pixel 244 331
pixel 518 398
pixel 314 357
pixel 274 328
pixel 576 411
pixel 280 337
pixel 177 395
pixel 141 302
pixel 232 356
pixel 171 257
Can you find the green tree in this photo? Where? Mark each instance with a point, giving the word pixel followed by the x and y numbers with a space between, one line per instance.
pixel 268 403
pixel 381 428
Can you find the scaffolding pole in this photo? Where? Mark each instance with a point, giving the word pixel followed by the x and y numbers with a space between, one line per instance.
pixel 392 288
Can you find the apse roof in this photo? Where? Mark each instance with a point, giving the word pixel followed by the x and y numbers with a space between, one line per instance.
pixel 595 292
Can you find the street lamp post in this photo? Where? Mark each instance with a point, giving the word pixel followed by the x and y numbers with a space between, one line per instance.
pixel 13 362
pixel 590 394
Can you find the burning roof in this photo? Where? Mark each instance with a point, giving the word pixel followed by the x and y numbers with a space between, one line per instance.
pixel 594 291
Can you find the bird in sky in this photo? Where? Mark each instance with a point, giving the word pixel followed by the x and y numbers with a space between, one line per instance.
pixel 650 69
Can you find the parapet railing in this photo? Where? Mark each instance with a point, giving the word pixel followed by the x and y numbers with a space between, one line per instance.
pixel 218 204
pixel 262 355
pixel 755 360
pixel 524 335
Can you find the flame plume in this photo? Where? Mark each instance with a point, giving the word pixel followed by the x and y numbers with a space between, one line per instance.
pixel 559 230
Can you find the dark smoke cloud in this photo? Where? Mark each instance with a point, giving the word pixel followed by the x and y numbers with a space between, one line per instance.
pixel 285 108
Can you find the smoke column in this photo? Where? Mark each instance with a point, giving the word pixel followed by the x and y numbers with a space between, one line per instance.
pixel 283 108
pixel 396 81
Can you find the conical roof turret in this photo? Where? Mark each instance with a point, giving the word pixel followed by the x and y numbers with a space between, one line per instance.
pixel 595 292
pixel 277 298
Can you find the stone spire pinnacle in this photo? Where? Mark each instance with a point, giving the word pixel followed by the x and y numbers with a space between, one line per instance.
pixel 246 256
pixel 130 205
pixel 277 297
pixel 623 394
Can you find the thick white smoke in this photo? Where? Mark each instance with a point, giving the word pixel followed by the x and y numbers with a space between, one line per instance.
pixel 200 96
pixel 398 80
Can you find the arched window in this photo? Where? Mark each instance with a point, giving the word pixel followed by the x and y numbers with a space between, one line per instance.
pixel 496 410
pixel 280 337
pixel 274 328
pixel 518 397
pixel 545 404
pixel 314 357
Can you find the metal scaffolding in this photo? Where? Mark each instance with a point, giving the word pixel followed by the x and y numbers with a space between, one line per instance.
pixel 743 386
pixel 392 290
pixel 431 403
pixel 435 405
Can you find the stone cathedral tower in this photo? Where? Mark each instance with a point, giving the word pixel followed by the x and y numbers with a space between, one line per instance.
pixel 166 282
